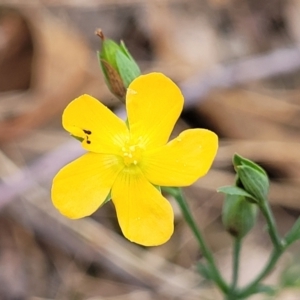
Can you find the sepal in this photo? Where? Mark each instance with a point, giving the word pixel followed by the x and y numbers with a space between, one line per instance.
pixel 238 215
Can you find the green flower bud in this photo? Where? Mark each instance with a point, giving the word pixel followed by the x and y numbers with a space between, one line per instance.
pixel 118 66
pixel 254 182
pixel 242 161
pixel 252 178
pixel 239 215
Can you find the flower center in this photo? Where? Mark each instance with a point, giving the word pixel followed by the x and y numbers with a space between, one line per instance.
pixel 131 154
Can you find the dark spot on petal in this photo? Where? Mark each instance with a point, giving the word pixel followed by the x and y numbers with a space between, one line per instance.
pixel 87 131
pixel 88 142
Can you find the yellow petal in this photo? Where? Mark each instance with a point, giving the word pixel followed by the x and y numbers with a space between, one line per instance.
pixel 144 215
pixel 154 103
pixel 183 160
pixel 82 186
pixel 102 130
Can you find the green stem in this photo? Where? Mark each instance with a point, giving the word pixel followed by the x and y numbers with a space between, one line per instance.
pixel 252 287
pixel 236 258
pixel 279 248
pixel 235 268
pixel 177 194
pixel 272 228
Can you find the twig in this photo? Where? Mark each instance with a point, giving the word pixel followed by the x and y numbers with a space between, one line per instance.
pixel 278 62
pixel 42 170
pixel 79 4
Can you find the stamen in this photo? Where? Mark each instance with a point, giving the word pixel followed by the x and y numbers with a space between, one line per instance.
pixel 131 154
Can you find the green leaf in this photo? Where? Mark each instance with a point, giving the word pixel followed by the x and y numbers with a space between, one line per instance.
pixel 242 161
pixel 205 271
pixel 266 289
pixel 290 276
pixel 234 190
pixel 254 182
pixel 294 233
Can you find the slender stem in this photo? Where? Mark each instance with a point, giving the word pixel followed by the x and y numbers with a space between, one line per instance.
pixel 250 289
pixel 279 248
pixel 272 228
pixel 236 258
pixel 177 194
pixel 235 268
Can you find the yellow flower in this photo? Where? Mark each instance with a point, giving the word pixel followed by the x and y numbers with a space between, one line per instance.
pixel 130 160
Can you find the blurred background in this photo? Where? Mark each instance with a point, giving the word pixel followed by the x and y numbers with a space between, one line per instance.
pixel 238 65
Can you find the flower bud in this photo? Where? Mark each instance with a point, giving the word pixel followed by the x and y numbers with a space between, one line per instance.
pixel 118 66
pixel 239 215
pixel 254 182
pixel 251 177
pixel 242 161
